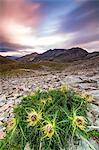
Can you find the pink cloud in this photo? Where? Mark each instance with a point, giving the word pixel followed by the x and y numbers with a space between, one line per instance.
pixel 17 13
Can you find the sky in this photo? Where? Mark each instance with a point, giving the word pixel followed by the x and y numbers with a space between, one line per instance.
pixel 28 26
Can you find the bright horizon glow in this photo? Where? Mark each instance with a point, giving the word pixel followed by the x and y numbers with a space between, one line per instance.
pixel 22 35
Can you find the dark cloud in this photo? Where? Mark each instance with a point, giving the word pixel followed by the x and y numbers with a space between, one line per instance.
pixel 83 16
pixel 85 39
pixel 6 47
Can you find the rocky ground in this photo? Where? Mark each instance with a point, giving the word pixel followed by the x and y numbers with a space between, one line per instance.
pixel 13 88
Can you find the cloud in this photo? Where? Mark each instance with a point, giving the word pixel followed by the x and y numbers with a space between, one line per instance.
pixel 83 16
pixel 86 38
pixel 18 20
pixel 83 23
pixel 6 47
pixel 21 12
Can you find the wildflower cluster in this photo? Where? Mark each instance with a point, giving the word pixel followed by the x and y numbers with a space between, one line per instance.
pixel 47 120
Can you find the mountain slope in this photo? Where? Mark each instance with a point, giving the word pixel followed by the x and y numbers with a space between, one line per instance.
pixel 12 57
pixel 4 60
pixel 62 55
pixel 49 55
pixel 72 55
pixel 92 55
pixel 27 58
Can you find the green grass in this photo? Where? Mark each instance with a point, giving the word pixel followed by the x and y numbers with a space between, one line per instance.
pixel 5 60
pixel 48 120
pixel 19 68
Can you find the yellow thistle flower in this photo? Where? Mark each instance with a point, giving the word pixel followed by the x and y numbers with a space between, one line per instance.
pixel 51 88
pixel 32 93
pixel 43 101
pixel 50 99
pixel 12 124
pixel 64 88
pixel 48 130
pixel 80 122
pixel 33 118
pixel 87 97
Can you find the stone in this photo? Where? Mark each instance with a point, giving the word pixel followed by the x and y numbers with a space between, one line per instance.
pixel 88 145
pixel 95 93
pixel 27 147
pixel 90 117
pixel 94 108
pixel 97 122
pixel 2 134
pixel 2 103
pixel 3 108
pixel 72 79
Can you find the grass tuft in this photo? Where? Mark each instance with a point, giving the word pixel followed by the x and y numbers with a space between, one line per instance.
pixel 48 120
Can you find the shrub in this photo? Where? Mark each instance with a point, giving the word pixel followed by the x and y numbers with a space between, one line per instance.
pixel 47 120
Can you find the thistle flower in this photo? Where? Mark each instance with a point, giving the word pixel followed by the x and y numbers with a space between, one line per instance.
pixel 33 118
pixel 79 121
pixel 87 97
pixel 50 99
pixel 64 88
pixel 49 130
pixel 32 93
pixel 12 124
pixel 43 101
pixel 51 88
